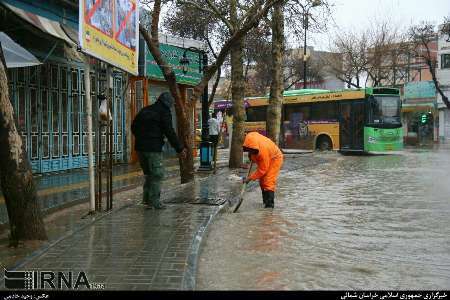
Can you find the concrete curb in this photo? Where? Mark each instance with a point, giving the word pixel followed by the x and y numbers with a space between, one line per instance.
pixel 190 275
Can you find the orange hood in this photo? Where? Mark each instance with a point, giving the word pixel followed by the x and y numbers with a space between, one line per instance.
pixel 269 156
pixel 264 145
pixel 252 140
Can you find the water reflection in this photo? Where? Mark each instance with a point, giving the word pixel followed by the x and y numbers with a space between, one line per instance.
pixel 343 222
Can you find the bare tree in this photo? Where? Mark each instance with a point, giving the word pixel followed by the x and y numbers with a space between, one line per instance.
pixel 293 60
pixel 351 63
pixel 240 27
pixel 16 178
pixel 421 36
pixel 385 53
pixel 189 22
pixel 293 67
pixel 234 14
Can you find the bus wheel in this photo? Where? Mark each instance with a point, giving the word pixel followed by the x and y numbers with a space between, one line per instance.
pixel 324 143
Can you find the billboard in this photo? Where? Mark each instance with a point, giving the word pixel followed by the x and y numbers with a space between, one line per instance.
pixel 420 90
pixel 109 31
pixel 189 74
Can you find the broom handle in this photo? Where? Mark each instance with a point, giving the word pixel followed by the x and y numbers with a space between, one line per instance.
pixel 241 196
pixel 249 170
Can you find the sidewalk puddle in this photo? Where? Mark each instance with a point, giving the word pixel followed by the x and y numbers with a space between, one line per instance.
pixel 197 200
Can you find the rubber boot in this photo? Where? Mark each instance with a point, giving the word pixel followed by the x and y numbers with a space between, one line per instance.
pixel 266 199
pixel 271 199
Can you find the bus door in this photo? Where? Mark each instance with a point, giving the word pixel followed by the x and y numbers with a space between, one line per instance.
pixel 352 126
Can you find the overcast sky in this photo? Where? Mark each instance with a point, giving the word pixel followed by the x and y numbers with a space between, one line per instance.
pixel 356 14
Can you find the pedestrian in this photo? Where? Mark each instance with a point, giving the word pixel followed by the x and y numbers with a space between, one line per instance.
pixel 269 159
pixel 149 127
pixel 213 125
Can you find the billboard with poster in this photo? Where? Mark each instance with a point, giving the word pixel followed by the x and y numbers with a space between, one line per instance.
pixel 109 31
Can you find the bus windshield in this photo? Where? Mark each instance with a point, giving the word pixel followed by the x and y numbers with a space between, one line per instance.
pixel 385 111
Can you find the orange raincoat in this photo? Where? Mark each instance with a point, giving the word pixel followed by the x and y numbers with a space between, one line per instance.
pixel 269 160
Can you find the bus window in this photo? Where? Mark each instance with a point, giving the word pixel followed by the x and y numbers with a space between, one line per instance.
pixel 298 112
pixel 257 114
pixel 385 111
pixel 324 112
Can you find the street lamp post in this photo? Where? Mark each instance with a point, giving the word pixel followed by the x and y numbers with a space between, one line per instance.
pixel 206 152
pixel 305 27
pixel 205 144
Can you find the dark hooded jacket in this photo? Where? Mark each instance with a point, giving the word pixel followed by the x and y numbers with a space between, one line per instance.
pixel 152 123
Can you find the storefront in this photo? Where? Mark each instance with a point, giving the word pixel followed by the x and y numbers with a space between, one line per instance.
pixel 419 113
pixel 48 98
pixel 444 121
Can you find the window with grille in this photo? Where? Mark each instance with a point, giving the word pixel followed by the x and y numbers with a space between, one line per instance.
pixel 445 61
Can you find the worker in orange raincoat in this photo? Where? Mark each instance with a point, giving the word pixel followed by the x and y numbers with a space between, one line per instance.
pixel 268 157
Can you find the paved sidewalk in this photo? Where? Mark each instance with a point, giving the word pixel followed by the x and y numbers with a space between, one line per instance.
pixel 136 248
pixel 61 190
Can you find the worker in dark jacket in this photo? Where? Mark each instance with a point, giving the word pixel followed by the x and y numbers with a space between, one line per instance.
pixel 149 127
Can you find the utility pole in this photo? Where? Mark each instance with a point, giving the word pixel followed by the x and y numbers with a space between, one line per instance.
pixel 88 104
pixel 305 27
pixel 205 146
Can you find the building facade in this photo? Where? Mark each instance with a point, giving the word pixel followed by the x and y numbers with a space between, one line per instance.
pixel 443 76
pixel 419 113
pixel 318 73
pixel 48 99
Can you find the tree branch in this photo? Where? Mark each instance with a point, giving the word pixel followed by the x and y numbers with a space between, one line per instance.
pixel 248 24
pixel 197 6
pixel 220 15
pixel 214 89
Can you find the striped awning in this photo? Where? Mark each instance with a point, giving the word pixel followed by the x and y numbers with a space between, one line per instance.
pixel 15 55
pixel 46 25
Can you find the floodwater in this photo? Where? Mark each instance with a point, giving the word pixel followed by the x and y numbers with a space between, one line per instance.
pixel 340 222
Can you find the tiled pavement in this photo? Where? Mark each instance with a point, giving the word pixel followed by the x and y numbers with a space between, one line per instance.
pixel 136 248
pixel 64 189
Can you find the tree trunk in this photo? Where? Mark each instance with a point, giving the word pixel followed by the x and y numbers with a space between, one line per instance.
pixel 185 134
pixel 182 107
pixel 436 82
pixel 273 121
pixel 25 218
pixel 237 94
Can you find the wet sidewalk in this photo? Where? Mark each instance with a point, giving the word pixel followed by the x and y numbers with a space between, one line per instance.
pixel 57 191
pixel 136 248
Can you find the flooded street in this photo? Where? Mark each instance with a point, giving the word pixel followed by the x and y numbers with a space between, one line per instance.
pixel 340 222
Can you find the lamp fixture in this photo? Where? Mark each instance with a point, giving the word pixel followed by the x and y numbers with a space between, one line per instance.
pixel 184 62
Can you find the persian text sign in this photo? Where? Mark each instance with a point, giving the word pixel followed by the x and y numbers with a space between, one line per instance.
pixel 172 55
pixel 420 90
pixel 109 31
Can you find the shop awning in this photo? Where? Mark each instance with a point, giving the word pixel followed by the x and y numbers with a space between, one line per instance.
pixel 15 55
pixel 419 107
pixel 46 25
